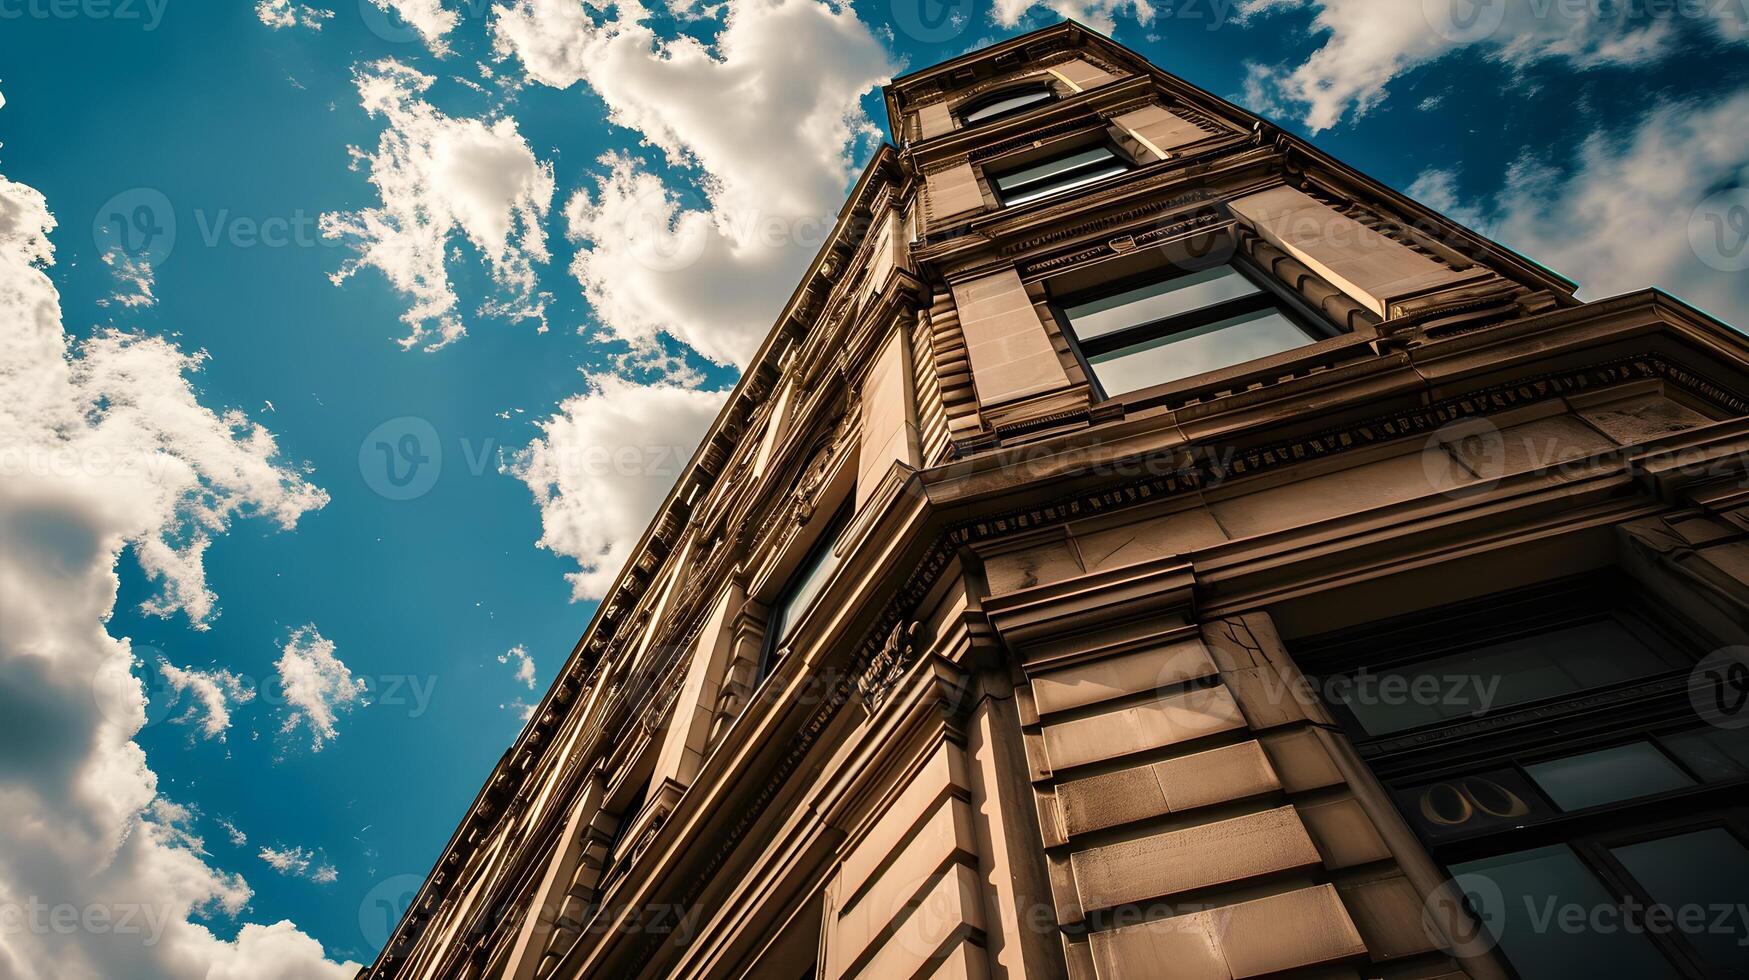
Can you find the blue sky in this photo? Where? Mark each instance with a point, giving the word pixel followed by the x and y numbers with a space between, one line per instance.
pixel 475 276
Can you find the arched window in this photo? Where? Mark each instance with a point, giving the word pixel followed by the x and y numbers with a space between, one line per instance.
pixel 1007 102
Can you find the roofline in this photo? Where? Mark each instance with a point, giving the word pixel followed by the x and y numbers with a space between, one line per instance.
pixel 1522 263
pixel 1065 26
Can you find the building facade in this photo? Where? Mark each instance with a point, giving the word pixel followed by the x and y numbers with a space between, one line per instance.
pixel 1145 547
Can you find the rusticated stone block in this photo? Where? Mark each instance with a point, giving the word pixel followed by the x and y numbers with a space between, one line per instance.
pixel 947 834
pixel 944 772
pixel 1196 857
pixel 1388 912
pixel 1345 835
pixel 1300 760
pixel 1115 677
pixel 1284 932
pixel 950 912
pixel 1295 929
pixel 1217 776
pixel 1150 725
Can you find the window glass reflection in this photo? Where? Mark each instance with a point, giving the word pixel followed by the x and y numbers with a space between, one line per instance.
pixel 1620 772
pixel 1006 105
pixel 1157 300
pixel 1233 340
pixel 1713 754
pixel 1704 871
pixel 1523 898
pixel 1503 674
pixel 1060 174
pixel 803 590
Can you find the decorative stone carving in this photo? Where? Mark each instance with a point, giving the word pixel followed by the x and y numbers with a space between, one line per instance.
pixel 877 679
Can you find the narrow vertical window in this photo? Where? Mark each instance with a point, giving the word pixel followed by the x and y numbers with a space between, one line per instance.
pixel 800 592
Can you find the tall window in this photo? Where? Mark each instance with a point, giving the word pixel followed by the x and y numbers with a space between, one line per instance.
pixel 1161 329
pixel 1059 174
pixel 1005 103
pixel 1543 746
pixel 800 591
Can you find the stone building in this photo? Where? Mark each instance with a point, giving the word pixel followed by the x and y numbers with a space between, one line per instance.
pixel 1146 547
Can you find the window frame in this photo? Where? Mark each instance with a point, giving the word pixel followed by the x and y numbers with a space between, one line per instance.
pixel 1592 842
pixel 769 644
pixel 1596 851
pixel 994 174
pixel 965 109
pixel 1508 740
pixel 1272 293
pixel 1456 627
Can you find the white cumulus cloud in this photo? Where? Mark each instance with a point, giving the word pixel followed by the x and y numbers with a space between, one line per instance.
pixel 438 179
pixel 604 463
pixel 105 449
pixel 1635 209
pixel 1365 44
pixel 768 123
pixel 317 686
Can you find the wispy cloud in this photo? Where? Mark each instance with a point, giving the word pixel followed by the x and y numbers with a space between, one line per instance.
pixel 134 281
pixel 1366 44
pixel 298 862
pixel 518 655
pixel 281 14
pixel 213 693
